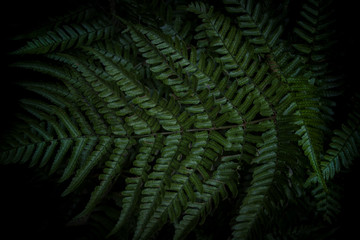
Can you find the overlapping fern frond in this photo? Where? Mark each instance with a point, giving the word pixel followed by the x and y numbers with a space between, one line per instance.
pixel 165 117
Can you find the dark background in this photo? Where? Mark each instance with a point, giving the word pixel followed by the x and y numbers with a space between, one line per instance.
pixel 30 206
pixel 33 207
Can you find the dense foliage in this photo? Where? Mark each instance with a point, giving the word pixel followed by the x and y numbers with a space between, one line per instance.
pixel 180 119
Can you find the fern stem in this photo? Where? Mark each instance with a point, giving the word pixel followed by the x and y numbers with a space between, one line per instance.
pixel 273 117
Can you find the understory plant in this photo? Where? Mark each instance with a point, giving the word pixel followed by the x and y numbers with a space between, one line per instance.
pixel 189 119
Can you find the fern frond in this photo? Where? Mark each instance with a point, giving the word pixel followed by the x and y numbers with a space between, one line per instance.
pixel 112 98
pixel 128 82
pixel 153 116
pixel 213 187
pixel 111 171
pixel 314 29
pixel 160 46
pixel 258 195
pixel 342 149
pixel 153 192
pixel 238 59
pixel 181 187
pixel 310 123
pixel 78 150
pixel 149 148
pixel 327 202
pixel 316 37
pixel 31 107
pixel 68 36
pixel 260 28
pixel 169 57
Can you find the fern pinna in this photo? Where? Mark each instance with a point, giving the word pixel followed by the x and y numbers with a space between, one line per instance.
pixel 161 117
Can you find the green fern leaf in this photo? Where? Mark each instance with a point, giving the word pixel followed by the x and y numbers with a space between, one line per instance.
pixel 110 173
pixel 172 204
pixel 68 36
pixel 213 187
pixel 260 28
pixel 327 203
pixel 92 160
pixel 342 150
pixel 253 205
pixel 149 146
pixel 73 160
pixel 153 191
pixel 152 116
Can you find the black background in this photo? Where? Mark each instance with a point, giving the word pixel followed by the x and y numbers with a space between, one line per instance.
pixel 32 207
pixel 29 206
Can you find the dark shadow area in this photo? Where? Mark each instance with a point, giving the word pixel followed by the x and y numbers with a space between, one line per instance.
pixel 31 205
